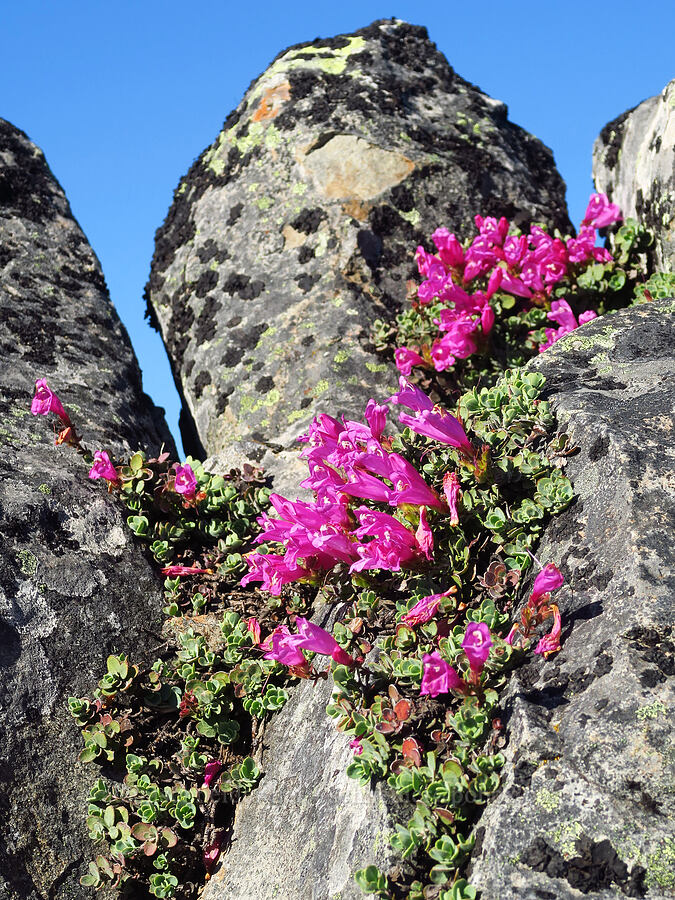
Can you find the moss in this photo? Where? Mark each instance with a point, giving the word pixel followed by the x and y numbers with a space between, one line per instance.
pixel 548 800
pixel 28 562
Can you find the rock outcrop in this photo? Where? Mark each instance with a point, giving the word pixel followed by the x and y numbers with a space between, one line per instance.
pixel 297 227
pixel 73 587
pixel 587 804
pixel 634 163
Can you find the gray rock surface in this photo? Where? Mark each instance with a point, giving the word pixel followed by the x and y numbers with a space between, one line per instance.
pixel 297 228
pixel 73 587
pixel 634 163
pixel 587 808
pixel 307 827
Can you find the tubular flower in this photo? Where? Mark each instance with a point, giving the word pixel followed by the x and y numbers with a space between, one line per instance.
pixel 318 640
pixel 286 648
pixel 438 677
pixel 550 643
pixel 173 571
pixel 46 401
pixel 476 644
pixel 424 535
pixel 273 570
pixel 549 579
pixel 425 609
pixel 212 771
pixel 600 212
pixel 452 493
pixel 186 483
pixel 103 468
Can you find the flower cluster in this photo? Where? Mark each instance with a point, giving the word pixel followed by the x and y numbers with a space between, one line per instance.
pixel 500 262
pixel 350 461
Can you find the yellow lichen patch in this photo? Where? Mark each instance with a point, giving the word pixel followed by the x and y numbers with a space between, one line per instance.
pixel 349 168
pixel 272 101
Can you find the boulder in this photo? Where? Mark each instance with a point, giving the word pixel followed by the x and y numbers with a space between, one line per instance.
pixel 297 228
pixel 587 800
pixel 634 163
pixel 73 586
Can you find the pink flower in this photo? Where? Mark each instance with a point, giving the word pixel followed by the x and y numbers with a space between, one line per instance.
pixel 452 495
pixel 476 645
pixel 449 248
pixel 600 212
pixel 318 640
pixel 212 851
pixel 425 609
pixel 549 579
pixel 273 570
pixel 406 359
pixel 410 396
pixel 376 417
pixel 212 771
pixel 550 643
pixel 356 746
pixel 46 401
pixel 103 468
pixel 253 628
pixel 444 428
pixel 424 535
pixel 186 483
pixel 173 571
pixel 393 544
pixel 286 647
pixel 438 677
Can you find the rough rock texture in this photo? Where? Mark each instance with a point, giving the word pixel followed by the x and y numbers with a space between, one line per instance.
pixel 73 587
pixel 587 807
pixel 297 227
pixel 307 827
pixel 634 163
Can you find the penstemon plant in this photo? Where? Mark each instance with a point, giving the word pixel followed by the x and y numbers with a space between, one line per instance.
pixel 424 537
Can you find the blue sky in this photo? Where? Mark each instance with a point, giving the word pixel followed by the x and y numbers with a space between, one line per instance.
pixel 123 96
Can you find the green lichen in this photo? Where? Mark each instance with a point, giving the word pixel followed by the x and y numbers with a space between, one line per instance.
pixel 44 489
pixel 413 217
pixel 565 837
pixel 548 800
pixel 376 367
pixel 28 562
pixel 295 415
pixel 651 711
pixel 264 203
pixel 341 356
pixel 605 339
pixel 661 865
pixel 299 188
pixel 322 244
pixel 320 388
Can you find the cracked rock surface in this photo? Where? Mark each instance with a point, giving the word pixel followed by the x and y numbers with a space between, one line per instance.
pixel 73 585
pixel 297 228
pixel 587 803
pixel 634 163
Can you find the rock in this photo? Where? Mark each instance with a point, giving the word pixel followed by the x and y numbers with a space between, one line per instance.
pixel 297 227
pixel 634 163
pixel 587 803
pixel 307 827
pixel 73 586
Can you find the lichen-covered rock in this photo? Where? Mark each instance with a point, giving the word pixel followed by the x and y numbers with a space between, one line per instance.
pixel 73 587
pixel 634 163
pixel 297 227
pixel 587 804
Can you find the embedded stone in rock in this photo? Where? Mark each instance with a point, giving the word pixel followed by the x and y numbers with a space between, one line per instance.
pixel 297 228
pixel 73 586
pixel 587 803
pixel 634 163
